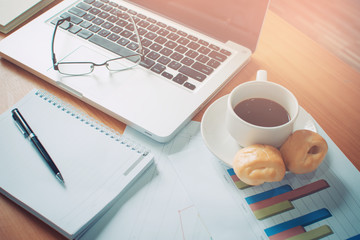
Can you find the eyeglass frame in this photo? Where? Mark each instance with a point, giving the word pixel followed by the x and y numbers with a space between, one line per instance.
pixel 56 63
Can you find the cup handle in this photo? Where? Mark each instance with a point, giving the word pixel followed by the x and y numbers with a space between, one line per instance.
pixel 261 75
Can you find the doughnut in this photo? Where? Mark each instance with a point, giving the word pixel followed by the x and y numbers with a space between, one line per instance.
pixel 259 163
pixel 303 151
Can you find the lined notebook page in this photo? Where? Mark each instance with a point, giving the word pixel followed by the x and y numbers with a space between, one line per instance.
pixel 96 163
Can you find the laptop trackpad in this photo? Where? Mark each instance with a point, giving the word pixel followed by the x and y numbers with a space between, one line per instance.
pixel 101 80
pixel 85 54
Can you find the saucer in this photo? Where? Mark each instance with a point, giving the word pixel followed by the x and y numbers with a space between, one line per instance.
pixel 220 142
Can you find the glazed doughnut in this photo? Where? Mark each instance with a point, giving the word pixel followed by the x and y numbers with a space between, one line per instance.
pixel 303 151
pixel 259 163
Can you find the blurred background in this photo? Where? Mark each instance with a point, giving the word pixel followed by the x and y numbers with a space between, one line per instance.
pixel 334 24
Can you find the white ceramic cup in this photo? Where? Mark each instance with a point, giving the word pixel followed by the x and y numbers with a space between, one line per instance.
pixel 246 133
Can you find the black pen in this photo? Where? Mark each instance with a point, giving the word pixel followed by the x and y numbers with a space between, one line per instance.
pixel 28 133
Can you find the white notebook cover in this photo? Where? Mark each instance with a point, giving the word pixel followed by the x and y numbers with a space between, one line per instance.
pixel 97 164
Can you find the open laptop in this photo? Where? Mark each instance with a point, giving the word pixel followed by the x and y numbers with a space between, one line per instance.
pixel 192 49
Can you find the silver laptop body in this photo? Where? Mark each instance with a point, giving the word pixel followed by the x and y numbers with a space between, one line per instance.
pixel 156 102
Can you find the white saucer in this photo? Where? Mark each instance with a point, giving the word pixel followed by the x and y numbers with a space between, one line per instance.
pixel 219 141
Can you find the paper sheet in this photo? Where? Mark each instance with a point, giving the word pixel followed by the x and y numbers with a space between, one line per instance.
pixel 157 206
pixel 227 215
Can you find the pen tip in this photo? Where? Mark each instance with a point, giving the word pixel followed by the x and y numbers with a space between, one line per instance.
pixel 61 179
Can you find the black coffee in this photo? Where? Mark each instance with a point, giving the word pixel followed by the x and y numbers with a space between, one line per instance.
pixel 262 112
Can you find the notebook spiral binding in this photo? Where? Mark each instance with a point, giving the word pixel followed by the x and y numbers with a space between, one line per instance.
pixel 97 125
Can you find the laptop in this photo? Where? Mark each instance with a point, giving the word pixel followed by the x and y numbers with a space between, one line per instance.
pixel 191 49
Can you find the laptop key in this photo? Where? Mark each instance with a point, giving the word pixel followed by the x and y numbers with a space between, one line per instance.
pixel 153 55
pixel 193 45
pixel 158 68
pixel 160 40
pixel 95 11
pixel 126 33
pixel 121 23
pixel 98 4
pixel 163 32
pixel 89 17
pixel 153 28
pixel 85 34
pixel 104 33
pixel 213 63
pixel 180 78
pixel 226 52
pixel 150 35
pixel 123 41
pixel 74 19
pixel 107 8
pixel 187 61
pixel 164 60
pixel 214 47
pixel 113 37
pixel 171 28
pixel 122 8
pixel 202 59
pixel 174 65
pixel 74 29
pixel 192 38
pixel 167 75
pixel 151 20
pixel 113 19
pixel 182 33
pixel 191 54
pixel 176 56
pixel 111 46
pixel 94 28
pixel 161 24
pixel 98 21
pixel 181 49
pixel 202 68
pixel 113 4
pixel 77 11
pixel 183 41
pixel 85 24
pixel 83 6
pixel 166 52
pixel 192 73
pixel 133 46
pixel 65 25
pixel 104 15
pixel 170 44
pixel 189 86
pixel 218 56
pixel 147 63
pixel 204 50
pixel 107 25
pixel 156 47
pixel 116 29
pixel 202 42
pixel 173 36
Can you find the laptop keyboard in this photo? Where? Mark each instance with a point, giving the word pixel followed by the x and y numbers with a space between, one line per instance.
pixel 169 52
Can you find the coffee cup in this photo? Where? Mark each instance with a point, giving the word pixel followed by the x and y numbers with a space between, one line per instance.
pixel 266 125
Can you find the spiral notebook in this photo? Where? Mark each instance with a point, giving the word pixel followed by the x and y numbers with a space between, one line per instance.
pixel 97 163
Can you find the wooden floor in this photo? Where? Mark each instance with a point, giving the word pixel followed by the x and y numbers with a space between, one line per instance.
pixel 335 24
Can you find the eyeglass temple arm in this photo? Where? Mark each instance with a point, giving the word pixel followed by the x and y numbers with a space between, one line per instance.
pixel 59 22
pixel 141 50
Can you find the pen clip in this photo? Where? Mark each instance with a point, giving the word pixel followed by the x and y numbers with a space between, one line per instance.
pixel 21 129
pixel 18 124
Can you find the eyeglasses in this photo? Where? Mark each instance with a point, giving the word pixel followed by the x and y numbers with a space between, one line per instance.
pixel 116 64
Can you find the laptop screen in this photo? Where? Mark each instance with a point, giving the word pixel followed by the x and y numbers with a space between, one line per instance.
pixel 239 21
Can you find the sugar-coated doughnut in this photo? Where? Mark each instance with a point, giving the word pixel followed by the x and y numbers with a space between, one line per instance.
pixel 303 151
pixel 259 163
